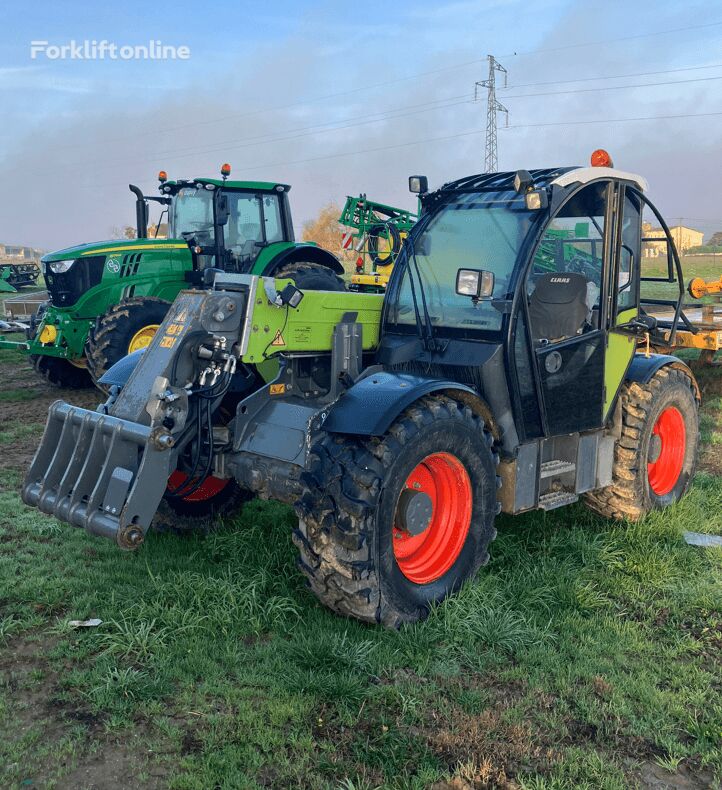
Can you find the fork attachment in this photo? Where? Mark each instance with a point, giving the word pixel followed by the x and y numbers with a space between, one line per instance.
pixel 99 472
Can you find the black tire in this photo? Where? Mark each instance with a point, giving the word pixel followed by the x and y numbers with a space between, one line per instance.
pixel 183 516
pixel 311 276
pixel 348 505
pixel 391 233
pixel 631 494
pixel 61 373
pixel 116 328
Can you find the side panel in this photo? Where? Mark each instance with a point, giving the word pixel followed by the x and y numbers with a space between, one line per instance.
pixel 620 350
pixel 309 327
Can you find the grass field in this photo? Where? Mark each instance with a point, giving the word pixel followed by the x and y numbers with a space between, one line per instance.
pixel 587 654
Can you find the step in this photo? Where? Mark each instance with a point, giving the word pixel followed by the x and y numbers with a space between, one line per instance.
pixel 556 499
pixel 554 468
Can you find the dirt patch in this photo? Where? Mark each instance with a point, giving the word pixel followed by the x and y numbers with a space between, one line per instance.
pixel 21 414
pixel 32 684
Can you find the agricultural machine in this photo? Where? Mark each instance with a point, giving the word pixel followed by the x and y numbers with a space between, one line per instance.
pixel 17 275
pixel 499 372
pixel 376 233
pixel 108 298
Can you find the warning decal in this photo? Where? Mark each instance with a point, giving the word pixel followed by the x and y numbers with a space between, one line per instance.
pixel 278 339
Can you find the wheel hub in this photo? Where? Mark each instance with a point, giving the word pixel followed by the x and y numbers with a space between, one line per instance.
pixel 142 338
pixel 414 511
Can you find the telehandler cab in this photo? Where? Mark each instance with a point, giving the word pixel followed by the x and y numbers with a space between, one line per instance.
pixel 499 372
pixel 107 299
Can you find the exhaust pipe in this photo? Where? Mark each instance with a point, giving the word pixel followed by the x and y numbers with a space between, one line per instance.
pixel 141 212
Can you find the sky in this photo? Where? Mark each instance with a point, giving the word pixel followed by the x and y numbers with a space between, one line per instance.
pixel 338 99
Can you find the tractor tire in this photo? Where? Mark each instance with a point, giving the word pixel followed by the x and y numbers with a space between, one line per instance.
pixel 311 276
pixel 390 525
pixel 61 373
pixel 123 328
pixel 391 233
pixel 656 456
pixel 200 511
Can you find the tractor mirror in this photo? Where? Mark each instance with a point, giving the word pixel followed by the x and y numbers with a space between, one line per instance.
pixel 476 283
pixel 419 185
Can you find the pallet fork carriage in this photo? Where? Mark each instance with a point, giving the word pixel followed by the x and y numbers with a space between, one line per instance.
pixel 499 372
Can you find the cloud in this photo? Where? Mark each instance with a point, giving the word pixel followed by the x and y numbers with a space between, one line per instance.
pixel 69 174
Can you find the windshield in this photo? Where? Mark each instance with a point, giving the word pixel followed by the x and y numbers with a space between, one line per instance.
pixel 192 212
pixel 483 230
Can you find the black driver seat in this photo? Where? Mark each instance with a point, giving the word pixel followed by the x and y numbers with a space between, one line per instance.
pixel 558 306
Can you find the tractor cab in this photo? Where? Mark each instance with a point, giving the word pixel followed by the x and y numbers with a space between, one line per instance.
pixel 225 223
pixel 541 269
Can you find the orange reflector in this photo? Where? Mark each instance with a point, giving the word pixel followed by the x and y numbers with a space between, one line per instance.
pixel 225 169
pixel 162 176
pixel 600 158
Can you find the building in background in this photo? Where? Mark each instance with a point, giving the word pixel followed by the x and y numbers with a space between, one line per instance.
pixel 683 238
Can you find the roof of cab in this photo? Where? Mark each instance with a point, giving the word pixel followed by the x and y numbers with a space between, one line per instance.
pixel 583 175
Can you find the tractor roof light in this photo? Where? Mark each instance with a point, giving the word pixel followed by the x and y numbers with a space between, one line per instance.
pixel 601 158
pixel 162 176
pixel 225 170
pixel 418 185
pixel 523 181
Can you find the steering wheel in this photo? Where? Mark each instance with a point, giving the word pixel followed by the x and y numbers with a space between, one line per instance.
pixel 582 266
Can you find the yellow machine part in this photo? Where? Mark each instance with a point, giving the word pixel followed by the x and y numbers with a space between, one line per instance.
pixel 48 335
pixel 698 287
pixel 379 280
pixel 142 338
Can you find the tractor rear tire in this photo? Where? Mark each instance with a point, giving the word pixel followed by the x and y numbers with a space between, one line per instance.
pixel 311 276
pixel 656 456
pixel 119 330
pixel 390 525
pixel 61 373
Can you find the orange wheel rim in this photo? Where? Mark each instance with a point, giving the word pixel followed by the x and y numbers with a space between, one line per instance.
pixel 432 518
pixel 667 449
pixel 209 488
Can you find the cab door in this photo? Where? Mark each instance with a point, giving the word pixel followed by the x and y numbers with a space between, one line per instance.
pixel 624 292
pixel 567 292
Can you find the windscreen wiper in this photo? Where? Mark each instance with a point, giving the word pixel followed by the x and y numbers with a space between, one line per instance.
pixel 427 331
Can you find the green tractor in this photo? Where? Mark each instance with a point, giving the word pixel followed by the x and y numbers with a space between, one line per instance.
pixel 499 372
pixel 108 298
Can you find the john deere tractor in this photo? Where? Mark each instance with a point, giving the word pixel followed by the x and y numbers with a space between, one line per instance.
pixel 108 298
pixel 499 373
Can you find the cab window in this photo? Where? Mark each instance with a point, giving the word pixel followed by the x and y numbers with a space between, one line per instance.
pixel 565 281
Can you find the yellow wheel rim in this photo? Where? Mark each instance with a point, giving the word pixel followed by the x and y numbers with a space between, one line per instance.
pixel 142 338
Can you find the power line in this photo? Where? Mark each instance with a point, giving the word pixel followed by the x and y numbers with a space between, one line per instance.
pixel 613 40
pixel 469 133
pixel 397 80
pixel 615 120
pixel 614 76
pixel 613 87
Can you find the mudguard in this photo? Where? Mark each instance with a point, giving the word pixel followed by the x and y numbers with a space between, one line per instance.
pixel 643 367
pixel 308 253
pixel 371 405
pixel 117 375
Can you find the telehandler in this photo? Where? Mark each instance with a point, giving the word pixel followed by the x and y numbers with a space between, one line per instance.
pixel 400 424
pixel 108 298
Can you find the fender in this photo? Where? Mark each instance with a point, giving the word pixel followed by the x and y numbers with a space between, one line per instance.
pixel 309 253
pixel 117 375
pixel 372 404
pixel 643 367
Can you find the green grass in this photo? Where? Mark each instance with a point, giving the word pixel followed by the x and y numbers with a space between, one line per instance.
pixel 585 654
pixel 584 646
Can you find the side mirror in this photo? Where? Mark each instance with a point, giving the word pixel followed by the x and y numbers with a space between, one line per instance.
pixel 476 283
pixel 419 185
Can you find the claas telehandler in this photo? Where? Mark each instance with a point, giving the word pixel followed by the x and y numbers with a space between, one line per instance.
pixel 500 372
